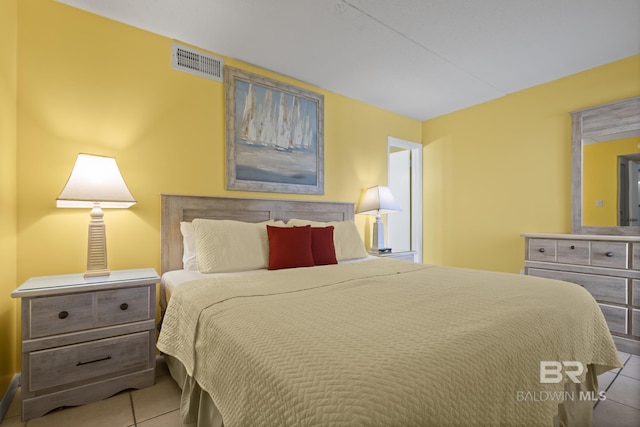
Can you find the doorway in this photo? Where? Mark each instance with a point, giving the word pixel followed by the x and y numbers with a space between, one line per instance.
pixel 404 168
pixel 628 189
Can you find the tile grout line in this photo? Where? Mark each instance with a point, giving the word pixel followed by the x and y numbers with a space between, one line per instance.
pixel 612 381
pixel 133 410
pixel 618 374
pixel 607 389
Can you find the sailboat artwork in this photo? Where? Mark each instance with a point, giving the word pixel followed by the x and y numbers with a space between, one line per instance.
pixel 276 137
pixel 284 122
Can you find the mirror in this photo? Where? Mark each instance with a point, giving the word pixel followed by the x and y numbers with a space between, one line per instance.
pixel 629 189
pixel 610 182
pixel 605 172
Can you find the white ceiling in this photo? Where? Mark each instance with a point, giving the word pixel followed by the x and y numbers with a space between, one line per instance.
pixel 418 58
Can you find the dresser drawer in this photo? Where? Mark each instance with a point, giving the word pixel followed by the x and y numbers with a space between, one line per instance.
pixel 573 252
pixel 616 318
pixel 60 314
pixel 542 250
pixel 65 365
pixel 610 254
pixel 635 323
pixel 603 288
pixel 636 256
pixel 123 306
pixel 636 293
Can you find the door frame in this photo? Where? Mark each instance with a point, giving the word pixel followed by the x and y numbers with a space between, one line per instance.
pixel 416 189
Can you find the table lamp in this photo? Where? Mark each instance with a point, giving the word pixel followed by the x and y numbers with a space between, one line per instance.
pixel 95 182
pixel 377 201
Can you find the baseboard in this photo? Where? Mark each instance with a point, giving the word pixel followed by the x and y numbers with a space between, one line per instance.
pixel 8 395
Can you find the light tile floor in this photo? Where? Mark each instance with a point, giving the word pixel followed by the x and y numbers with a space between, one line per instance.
pixel 158 406
pixel 622 390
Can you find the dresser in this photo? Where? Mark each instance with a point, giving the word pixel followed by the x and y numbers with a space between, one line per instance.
pixel 607 266
pixel 85 339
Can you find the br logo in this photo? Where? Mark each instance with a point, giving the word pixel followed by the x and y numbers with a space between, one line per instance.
pixel 553 372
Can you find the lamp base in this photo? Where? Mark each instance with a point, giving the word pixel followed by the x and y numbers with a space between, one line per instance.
pixel 377 240
pixel 97 245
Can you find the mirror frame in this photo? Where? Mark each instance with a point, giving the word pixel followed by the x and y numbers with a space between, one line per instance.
pixel 600 123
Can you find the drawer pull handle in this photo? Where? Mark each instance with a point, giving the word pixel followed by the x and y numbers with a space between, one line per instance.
pixel 93 361
pixel 541 250
pixel 124 306
pixel 573 247
pixel 609 254
pixel 63 315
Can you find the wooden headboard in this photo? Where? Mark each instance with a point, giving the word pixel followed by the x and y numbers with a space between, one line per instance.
pixel 177 208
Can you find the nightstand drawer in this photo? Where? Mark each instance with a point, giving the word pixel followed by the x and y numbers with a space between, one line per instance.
pixel 542 250
pixel 405 256
pixel 64 365
pixel 123 306
pixel 610 254
pixel 56 315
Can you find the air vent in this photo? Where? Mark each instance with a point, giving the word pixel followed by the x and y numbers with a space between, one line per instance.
pixel 191 61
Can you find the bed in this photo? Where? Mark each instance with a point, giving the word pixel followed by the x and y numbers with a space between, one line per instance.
pixel 365 341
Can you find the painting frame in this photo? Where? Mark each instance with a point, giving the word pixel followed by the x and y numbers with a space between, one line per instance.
pixel 274 135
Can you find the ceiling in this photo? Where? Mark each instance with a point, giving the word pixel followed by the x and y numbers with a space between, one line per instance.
pixel 417 58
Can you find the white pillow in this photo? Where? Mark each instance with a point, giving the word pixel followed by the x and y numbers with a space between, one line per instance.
pixel 346 238
pixel 189 261
pixel 228 246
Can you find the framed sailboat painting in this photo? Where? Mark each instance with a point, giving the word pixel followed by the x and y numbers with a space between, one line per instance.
pixel 274 135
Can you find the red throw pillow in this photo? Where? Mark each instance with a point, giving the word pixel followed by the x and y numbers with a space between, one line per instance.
pixel 322 247
pixel 289 247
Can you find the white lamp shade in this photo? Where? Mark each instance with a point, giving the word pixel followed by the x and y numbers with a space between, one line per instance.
pixel 95 179
pixel 378 200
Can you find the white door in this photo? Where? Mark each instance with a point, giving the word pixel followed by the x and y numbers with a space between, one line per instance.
pixel 404 165
pixel 399 223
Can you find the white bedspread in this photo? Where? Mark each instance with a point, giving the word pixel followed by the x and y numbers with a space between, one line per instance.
pixel 382 343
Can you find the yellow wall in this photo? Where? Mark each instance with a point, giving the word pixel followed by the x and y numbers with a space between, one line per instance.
pixel 600 179
pixel 8 239
pixel 89 84
pixel 502 168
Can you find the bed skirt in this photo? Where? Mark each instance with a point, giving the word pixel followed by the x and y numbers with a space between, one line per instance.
pixel 198 410
pixel 196 406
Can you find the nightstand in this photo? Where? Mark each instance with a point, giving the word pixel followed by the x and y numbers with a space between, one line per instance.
pixel 86 339
pixel 406 256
